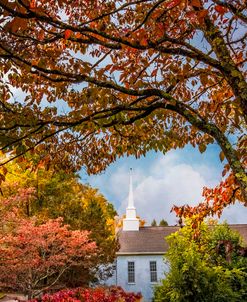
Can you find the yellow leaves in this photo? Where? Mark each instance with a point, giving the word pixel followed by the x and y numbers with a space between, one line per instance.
pixel 3 172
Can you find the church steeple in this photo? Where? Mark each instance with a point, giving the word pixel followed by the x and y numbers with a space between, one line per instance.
pixel 131 222
pixel 131 198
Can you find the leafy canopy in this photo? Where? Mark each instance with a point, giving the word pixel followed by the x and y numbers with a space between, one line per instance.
pixel 131 76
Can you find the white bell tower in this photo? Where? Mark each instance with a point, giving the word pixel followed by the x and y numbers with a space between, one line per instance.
pixel 131 222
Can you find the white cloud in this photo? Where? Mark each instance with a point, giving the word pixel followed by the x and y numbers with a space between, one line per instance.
pixel 162 182
pixel 170 182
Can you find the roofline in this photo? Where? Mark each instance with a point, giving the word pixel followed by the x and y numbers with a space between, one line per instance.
pixel 139 253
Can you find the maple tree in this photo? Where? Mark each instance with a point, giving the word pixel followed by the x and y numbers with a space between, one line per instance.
pixel 35 256
pixel 52 194
pixel 131 76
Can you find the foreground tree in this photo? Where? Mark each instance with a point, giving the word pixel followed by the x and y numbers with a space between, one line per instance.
pixel 134 76
pixel 34 257
pixel 52 194
pixel 200 269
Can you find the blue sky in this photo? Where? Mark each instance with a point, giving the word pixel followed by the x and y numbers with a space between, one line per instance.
pixel 163 180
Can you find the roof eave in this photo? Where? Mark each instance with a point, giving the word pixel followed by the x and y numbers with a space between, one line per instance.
pixel 139 253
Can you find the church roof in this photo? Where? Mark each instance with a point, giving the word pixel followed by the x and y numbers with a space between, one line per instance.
pixel 242 229
pixel 150 240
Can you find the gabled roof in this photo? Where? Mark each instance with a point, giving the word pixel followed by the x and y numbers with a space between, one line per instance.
pixel 150 240
pixel 242 229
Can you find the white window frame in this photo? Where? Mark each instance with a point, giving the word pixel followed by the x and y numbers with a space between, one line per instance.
pixel 131 273
pixel 153 271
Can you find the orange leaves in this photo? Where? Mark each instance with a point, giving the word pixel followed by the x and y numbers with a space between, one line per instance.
pixel 32 4
pixel 41 35
pixel 197 17
pixel 222 156
pixel 67 34
pixel 215 200
pixel 172 4
pixel 204 79
pixel 220 9
pixel 17 24
pixel 143 41
pixel 196 3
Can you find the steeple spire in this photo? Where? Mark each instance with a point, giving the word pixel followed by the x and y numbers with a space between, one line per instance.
pixel 131 198
pixel 131 222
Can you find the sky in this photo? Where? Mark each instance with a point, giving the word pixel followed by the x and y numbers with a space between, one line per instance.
pixel 160 181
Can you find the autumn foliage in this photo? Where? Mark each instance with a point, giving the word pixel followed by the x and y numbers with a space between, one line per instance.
pixel 97 80
pixel 112 294
pixel 43 195
pixel 34 256
pixel 215 200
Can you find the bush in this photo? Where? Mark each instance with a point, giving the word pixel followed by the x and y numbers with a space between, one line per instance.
pixel 201 269
pixel 100 294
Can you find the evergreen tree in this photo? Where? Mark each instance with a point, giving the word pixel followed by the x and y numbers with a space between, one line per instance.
pixel 163 223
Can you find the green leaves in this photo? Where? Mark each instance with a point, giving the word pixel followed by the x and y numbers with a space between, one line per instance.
pixel 197 272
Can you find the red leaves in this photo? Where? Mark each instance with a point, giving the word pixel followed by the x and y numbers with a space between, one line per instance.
pixel 67 34
pixel 220 9
pixel 172 3
pixel 111 294
pixel 215 200
pixel 33 249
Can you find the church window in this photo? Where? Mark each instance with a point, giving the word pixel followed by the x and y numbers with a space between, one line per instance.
pixel 153 271
pixel 131 272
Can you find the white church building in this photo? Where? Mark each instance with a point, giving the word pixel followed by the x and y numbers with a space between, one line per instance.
pixel 140 264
